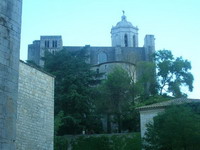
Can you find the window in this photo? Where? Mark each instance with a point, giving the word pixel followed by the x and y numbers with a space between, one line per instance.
pixel 134 45
pixel 102 57
pixel 46 44
pixel 54 44
pixel 97 70
pixel 126 40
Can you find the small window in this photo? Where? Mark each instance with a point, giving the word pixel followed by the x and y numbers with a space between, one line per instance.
pixel 97 70
pixel 126 40
pixel 54 44
pixel 46 43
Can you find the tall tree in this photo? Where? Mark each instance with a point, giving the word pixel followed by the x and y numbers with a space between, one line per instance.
pixel 115 95
pixel 145 85
pixel 73 92
pixel 172 73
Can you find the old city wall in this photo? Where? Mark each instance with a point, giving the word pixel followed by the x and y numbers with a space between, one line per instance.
pixel 35 113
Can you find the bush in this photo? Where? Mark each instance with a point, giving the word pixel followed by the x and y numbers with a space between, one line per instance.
pixel 126 142
pixel 178 128
pixel 91 143
pixel 115 142
pixel 60 143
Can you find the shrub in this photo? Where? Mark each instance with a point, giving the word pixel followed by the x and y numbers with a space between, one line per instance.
pixel 115 142
pixel 177 128
pixel 91 143
pixel 60 143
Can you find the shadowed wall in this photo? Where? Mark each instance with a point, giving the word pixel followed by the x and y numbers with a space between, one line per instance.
pixel 10 29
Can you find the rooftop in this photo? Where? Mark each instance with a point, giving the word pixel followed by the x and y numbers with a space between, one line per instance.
pixel 170 102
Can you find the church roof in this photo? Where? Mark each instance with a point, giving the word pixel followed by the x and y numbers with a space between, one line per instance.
pixel 168 103
pixel 124 23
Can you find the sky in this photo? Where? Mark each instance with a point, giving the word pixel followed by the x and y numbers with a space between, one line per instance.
pixel 174 23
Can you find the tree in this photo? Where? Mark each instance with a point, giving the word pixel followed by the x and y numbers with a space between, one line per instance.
pixel 115 96
pixel 172 73
pixel 178 128
pixel 145 85
pixel 73 91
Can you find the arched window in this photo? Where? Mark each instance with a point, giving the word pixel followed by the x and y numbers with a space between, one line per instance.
pixel 102 57
pixel 126 40
pixel 134 45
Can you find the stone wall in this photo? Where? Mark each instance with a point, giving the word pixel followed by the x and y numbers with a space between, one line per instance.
pixel 35 112
pixel 10 29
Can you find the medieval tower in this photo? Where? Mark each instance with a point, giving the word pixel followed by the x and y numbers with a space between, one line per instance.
pixel 10 29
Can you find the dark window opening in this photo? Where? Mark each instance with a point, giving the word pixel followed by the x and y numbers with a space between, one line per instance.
pixel 97 70
pixel 126 40
pixel 54 44
pixel 46 43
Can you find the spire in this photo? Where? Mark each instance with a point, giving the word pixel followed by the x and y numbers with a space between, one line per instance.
pixel 123 16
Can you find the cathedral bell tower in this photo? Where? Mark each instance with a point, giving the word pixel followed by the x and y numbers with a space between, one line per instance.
pixel 124 34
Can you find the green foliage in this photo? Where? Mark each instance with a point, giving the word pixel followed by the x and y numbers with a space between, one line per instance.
pixel 115 142
pixel 145 85
pixel 131 120
pixel 177 128
pixel 58 121
pixel 91 143
pixel 153 99
pixel 60 143
pixel 114 95
pixel 126 142
pixel 173 73
pixel 73 92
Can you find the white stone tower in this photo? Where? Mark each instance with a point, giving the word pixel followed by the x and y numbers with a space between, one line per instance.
pixel 124 34
pixel 10 29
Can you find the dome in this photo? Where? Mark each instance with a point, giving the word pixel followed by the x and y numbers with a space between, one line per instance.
pixel 124 23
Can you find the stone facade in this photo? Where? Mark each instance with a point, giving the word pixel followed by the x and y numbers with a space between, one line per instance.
pixel 124 51
pixel 37 48
pixel 10 29
pixel 35 112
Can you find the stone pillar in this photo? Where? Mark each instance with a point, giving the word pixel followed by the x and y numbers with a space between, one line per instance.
pixel 10 29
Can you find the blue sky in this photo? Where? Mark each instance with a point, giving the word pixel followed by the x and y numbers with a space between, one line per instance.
pixel 175 24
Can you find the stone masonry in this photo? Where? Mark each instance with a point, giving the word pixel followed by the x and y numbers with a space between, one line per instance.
pixel 124 51
pixel 10 29
pixel 35 112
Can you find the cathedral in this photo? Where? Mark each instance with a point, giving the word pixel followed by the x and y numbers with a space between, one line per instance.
pixel 124 51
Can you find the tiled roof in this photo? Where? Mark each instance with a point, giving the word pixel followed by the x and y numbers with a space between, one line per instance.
pixel 170 102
